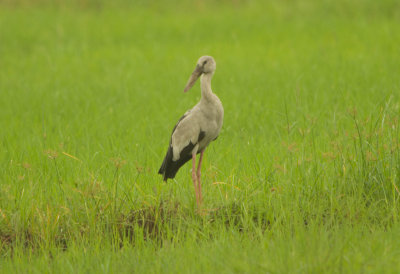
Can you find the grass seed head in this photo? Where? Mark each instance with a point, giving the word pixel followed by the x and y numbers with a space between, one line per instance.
pixel 118 162
pixel 52 154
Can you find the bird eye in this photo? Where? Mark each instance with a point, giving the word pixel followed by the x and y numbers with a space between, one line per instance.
pixel 204 62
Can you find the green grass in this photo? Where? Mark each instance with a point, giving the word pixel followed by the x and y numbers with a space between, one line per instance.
pixel 304 177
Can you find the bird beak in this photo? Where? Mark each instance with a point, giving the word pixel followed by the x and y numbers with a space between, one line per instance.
pixel 195 74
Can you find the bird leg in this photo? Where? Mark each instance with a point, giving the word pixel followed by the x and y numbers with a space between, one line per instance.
pixel 194 178
pixel 199 176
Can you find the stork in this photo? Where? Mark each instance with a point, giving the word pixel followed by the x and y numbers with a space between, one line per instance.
pixel 196 128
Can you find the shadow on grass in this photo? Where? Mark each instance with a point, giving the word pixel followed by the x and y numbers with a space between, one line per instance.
pixel 157 223
pixel 161 221
pixel 170 220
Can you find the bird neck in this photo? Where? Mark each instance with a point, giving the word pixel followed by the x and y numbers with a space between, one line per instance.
pixel 205 84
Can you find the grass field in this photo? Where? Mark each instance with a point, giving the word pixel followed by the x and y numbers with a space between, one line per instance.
pixel 304 177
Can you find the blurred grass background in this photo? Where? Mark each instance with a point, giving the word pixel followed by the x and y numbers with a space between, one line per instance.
pixel 303 178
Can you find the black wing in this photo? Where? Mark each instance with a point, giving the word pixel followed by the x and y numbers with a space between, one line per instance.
pixel 169 168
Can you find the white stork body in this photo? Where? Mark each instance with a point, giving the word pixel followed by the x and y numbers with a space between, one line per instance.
pixel 197 127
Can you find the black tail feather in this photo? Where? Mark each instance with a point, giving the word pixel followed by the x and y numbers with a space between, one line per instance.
pixel 166 162
pixel 169 168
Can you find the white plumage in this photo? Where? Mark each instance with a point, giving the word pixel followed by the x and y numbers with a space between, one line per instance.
pixel 197 127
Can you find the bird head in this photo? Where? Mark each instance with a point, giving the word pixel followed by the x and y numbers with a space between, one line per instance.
pixel 205 65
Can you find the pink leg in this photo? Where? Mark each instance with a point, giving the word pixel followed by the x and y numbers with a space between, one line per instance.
pixel 199 176
pixel 194 178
